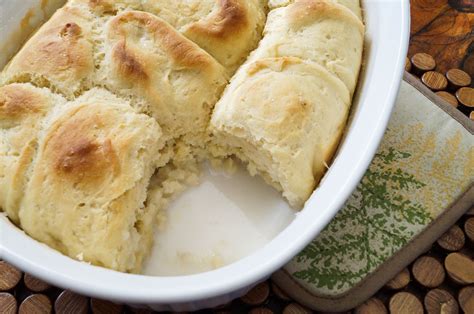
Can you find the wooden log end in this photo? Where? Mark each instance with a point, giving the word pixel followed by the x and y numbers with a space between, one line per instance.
pixel 257 295
pixel 400 281
pixel 428 271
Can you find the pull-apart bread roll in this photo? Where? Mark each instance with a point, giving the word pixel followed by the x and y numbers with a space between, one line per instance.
pixel 318 31
pixel 58 56
pixel 134 54
pixel 22 111
pixel 285 110
pixel 88 186
pixel 162 72
pixel 353 5
pixel 284 118
pixel 226 29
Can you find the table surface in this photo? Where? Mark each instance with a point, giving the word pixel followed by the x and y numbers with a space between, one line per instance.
pixel 440 28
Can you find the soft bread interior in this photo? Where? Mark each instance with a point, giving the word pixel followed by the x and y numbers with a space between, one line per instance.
pixel 274 117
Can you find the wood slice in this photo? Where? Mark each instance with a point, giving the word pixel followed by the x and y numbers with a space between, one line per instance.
pixel 423 62
pixel 261 310
pixel 7 303
pixel 471 116
pixel 35 284
pixel 371 306
pixel 434 80
pixel 460 268
pixel 295 308
pixel 470 212
pixel 279 293
pixel 449 98
pixel 469 228
pixel 457 78
pixel 452 240
pixel 407 65
pixel 140 311
pixel 69 302
pixel 9 276
pixel 404 302
pixel 466 299
pixel 223 306
pixel 465 96
pixel 257 295
pixel 428 271
pixel 400 281
pixel 105 307
pixel 37 304
pixel 440 301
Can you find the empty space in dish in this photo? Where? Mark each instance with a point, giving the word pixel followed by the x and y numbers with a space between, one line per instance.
pixel 224 218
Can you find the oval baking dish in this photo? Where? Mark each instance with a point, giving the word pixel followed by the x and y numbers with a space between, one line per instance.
pixel 386 42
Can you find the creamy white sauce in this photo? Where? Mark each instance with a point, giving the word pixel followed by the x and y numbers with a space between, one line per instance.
pixel 214 224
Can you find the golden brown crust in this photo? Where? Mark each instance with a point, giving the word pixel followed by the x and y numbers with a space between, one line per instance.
pixel 103 5
pixel 16 101
pixel 230 32
pixel 230 19
pixel 128 64
pixel 77 153
pixel 83 158
pixel 182 51
pixel 60 52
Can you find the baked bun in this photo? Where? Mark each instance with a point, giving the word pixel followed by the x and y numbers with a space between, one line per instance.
pixel 88 186
pixel 23 108
pixel 162 73
pixel 58 56
pixel 283 117
pixel 285 109
pixel 318 31
pixel 226 29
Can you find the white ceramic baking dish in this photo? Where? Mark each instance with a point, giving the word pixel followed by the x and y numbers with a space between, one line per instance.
pixel 387 33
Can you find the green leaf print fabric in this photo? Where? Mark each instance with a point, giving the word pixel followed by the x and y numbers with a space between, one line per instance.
pixel 425 162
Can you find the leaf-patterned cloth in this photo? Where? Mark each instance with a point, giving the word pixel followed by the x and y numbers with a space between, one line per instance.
pixel 425 162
